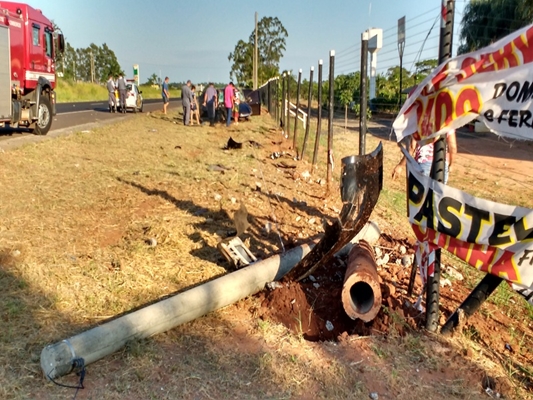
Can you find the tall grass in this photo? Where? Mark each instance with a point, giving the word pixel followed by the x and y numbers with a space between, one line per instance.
pixel 68 91
pixel 149 92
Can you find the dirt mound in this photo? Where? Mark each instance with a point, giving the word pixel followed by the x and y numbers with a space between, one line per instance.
pixel 313 308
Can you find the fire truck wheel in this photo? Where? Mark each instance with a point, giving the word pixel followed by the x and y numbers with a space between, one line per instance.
pixel 43 124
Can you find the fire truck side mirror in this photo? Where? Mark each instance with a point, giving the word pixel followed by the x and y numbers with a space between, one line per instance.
pixel 60 43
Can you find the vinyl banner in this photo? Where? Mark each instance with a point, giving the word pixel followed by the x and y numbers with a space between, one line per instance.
pixel 494 85
pixel 492 237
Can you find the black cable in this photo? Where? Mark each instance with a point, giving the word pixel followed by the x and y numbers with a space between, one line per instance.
pixel 77 364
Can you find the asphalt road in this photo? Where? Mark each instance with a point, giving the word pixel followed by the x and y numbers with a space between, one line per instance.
pixel 70 115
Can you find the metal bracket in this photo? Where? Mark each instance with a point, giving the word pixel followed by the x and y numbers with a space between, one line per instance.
pixel 236 252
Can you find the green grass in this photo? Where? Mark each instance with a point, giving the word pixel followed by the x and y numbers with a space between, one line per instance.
pixel 150 92
pixel 68 91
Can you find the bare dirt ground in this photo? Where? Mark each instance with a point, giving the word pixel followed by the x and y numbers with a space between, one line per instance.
pixel 78 213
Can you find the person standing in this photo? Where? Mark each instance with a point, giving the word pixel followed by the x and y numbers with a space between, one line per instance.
pixel 165 94
pixel 195 114
pixel 186 101
pixel 122 88
pixel 112 97
pixel 229 94
pixel 211 103
pixel 236 103
pixel 423 155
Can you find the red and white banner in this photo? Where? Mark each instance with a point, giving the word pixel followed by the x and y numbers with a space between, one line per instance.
pixel 492 237
pixel 494 84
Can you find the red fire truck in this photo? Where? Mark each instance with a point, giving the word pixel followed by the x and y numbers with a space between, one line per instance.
pixel 28 47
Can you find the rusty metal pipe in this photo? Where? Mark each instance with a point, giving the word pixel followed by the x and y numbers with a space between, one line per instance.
pixel 361 293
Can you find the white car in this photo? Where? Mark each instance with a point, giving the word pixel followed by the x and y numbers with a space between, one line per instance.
pixel 134 98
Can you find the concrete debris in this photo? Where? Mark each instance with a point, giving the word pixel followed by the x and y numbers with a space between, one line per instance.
pixel 311 221
pixel 407 260
pixel 445 282
pixel 378 252
pixel 306 175
pixel 152 242
pixel 268 227
pixel 403 250
pixel 329 326
pixel 217 197
pixel 274 285
pixel 383 260
pixel 374 396
pixel 453 273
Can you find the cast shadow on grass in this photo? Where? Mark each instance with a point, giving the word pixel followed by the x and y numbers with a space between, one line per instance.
pixel 29 321
pixel 216 222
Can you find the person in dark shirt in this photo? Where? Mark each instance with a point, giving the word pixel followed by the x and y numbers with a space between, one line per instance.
pixel 211 103
pixel 165 94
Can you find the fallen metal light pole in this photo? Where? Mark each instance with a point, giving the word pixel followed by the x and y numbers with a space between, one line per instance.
pixel 361 293
pixel 60 358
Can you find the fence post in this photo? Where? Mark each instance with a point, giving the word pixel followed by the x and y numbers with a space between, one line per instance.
pixel 288 131
pixel 283 104
pixel 276 100
pixel 331 102
pixel 319 118
pixel 268 98
pixel 307 122
pixel 363 91
pixel 437 172
pixel 294 145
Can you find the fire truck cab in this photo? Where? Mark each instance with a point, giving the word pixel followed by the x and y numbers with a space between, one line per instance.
pixel 28 47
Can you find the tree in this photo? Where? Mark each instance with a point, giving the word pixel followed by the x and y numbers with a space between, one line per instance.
pixel 424 68
pixel 345 90
pixel 106 63
pixel 242 67
pixel 152 79
pixel 486 21
pixel 271 41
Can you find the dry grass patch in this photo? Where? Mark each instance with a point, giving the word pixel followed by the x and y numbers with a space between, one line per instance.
pixel 78 222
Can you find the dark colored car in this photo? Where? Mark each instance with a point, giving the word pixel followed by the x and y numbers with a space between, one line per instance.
pixel 245 110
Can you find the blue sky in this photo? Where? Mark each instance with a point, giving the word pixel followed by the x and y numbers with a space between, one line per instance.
pixel 192 39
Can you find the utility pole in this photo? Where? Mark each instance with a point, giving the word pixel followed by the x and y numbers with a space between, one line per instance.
pixel 92 67
pixel 256 59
